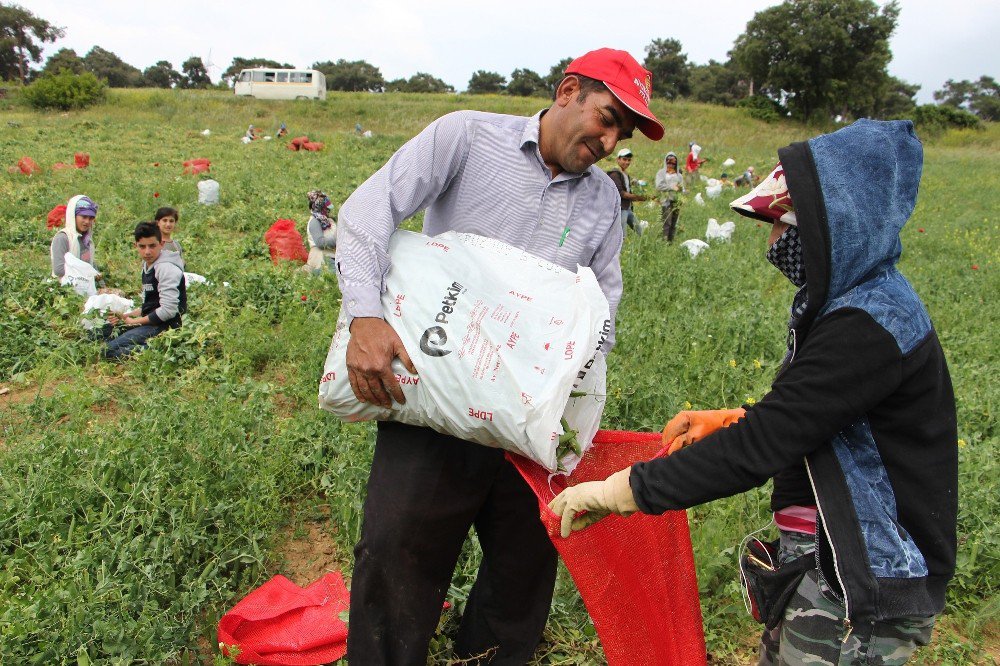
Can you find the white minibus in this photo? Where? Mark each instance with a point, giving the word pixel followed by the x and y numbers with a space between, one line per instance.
pixel 266 83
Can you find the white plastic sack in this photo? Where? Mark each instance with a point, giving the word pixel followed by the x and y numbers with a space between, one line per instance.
pixel 694 246
pixel 80 275
pixel 208 192
pixel 246 139
pixel 100 305
pixel 194 278
pixel 367 134
pixel 499 338
pixel 206 132
pixel 698 199
pixel 716 231
pixel 729 162
pixel 713 189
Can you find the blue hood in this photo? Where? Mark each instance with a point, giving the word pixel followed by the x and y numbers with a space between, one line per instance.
pixel 853 191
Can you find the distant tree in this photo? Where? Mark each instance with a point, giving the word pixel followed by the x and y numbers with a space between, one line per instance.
pixel 526 83
pixel 162 75
pixel 669 67
pixel 819 56
pixel 64 59
pixel 420 82
pixel 556 74
pixel 355 76
pixel 108 66
pixel 195 74
pixel 716 83
pixel 21 37
pixel 483 82
pixel 981 97
pixel 239 64
pixel 895 98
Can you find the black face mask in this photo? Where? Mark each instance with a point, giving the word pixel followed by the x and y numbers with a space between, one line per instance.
pixel 786 256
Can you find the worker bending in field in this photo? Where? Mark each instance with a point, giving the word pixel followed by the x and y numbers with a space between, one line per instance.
pixel 858 430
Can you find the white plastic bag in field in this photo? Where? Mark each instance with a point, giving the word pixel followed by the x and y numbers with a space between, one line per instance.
pixel 194 278
pixel 699 200
pixel 716 231
pixel 98 305
pixel 729 162
pixel 713 188
pixel 499 338
pixel 80 275
pixel 694 246
pixel 208 192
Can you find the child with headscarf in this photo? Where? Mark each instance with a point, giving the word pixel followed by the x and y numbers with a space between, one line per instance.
pixel 76 237
pixel 322 232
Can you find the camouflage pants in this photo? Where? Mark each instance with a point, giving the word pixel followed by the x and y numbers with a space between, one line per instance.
pixel 813 629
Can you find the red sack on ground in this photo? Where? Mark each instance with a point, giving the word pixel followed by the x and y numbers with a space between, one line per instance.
pixel 285 242
pixel 28 166
pixel 636 575
pixel 312 145
pixel 81 160
pixel 196 165
pixel 282 624
pixel 59 166
pixel 56 218
pixel 299 140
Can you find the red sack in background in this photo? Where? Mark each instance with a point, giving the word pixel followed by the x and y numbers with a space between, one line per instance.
pixel 636 575
pixel 312 145
pixel 28 166
pixel 282 624
pixel 196 165
pixel 285 242
pixel 298 141
pixel 56 218
pixel 81 160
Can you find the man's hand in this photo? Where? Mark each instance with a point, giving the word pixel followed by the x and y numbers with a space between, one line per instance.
pixel 688 427
pixel 133 321
pixel 370 351
pixel 597 498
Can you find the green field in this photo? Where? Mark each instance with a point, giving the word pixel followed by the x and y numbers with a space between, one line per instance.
pixel 140 501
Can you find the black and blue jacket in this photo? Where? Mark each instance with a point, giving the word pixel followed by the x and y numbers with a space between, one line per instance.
pixel 861 417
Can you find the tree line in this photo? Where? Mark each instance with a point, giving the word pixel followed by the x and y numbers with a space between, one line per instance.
pixel 802 58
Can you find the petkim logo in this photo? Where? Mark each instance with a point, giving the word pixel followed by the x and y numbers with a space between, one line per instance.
pixel 432 340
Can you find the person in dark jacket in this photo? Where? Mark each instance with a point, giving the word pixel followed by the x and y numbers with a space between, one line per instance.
pixel 164 296
pixel 858 430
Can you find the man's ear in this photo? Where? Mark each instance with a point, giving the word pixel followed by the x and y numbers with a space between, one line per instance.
pixel 568 90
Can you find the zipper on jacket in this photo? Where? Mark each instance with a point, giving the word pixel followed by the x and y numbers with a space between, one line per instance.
pixel 833 550
pixel 791 342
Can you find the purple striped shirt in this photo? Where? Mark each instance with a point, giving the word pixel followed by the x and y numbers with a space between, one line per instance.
pixel 480 173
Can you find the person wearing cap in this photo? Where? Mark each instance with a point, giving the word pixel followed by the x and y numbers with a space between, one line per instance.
pixel 857 432
pixel 532 182
pixel 624 184
pixel 76 237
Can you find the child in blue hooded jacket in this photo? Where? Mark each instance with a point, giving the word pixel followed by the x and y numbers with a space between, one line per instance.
pixel 858 431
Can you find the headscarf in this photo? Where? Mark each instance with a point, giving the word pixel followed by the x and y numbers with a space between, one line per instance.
pixel 83 205
pixel 676 161
pixel 319 207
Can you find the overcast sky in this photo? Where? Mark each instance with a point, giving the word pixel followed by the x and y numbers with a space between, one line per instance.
pixel 935 40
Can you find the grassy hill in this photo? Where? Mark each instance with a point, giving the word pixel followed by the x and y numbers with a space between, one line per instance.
pixel 140 501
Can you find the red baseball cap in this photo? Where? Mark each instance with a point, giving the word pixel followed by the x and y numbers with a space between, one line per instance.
pixel 627 80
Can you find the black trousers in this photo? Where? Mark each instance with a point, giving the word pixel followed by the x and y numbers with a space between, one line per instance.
pixel 424 493
pixel 669 213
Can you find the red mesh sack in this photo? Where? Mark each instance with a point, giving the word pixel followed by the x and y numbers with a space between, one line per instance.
pixel 28 166
pixel 299 140
pixel 285 242
pixel 56 218
pixel 312 145
pixel 197 165
pixel 81 160
pixel 282 624
pixel 636 575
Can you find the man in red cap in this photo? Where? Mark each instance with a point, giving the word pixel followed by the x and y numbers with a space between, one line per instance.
pixel 533 183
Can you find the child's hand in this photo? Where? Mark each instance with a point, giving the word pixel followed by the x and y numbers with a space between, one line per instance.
pixel 132 321
pixel 113 319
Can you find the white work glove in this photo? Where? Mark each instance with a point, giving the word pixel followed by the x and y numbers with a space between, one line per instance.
pixel 597 498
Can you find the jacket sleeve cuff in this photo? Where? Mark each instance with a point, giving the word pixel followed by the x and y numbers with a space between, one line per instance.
pixel 362 302
pixel 154 318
